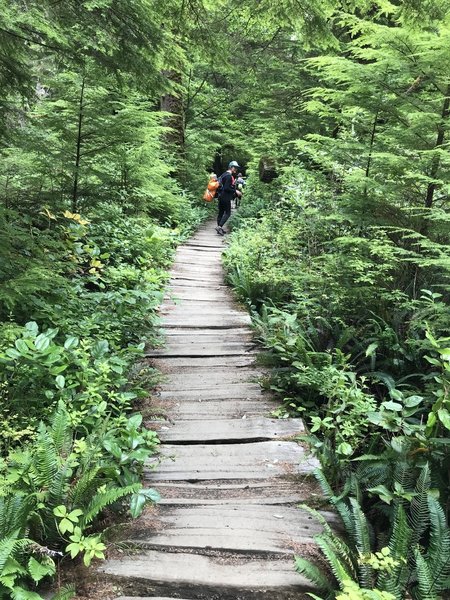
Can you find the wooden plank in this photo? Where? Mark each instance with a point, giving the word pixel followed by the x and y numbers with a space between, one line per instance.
pixel 166 364
pixel 259 460
pixel 178 282
pixel 183 573
pixel 256 528
pixel 196 349
pixel 229 430
pixel 225 392
pixel 200 311
pixel 269 492
pixel 202 335
pixel 218 409
pixel 208 378
pixel 207 321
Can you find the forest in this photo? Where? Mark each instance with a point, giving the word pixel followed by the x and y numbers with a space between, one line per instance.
pixel 112 114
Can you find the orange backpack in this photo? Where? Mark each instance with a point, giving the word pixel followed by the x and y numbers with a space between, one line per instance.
pixel 210 191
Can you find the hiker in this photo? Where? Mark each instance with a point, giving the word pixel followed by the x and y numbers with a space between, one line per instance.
pixel 240 184
pixel 227 192
pixel 211 190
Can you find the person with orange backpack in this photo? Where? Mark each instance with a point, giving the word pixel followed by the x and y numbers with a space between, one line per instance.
pixel 211 190
pixel 226 193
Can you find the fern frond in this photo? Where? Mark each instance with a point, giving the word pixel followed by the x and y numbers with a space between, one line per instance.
pixel 83 489
pixel 10 545
pixel 396 581
pixel 101 501
pixel 14 512
pixel 57 491
pixel 362 542
pixel 65 593
pixel 326 488
pixel 341 549
pixel 60 429
pixel 405 474
pixel 438 553
pixel 419 512
pixel 425 583
pixel 346 516
pixel 336 566
pixel 312 573
pixel 45 458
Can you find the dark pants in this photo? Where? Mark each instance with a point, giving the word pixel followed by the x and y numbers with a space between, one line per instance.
pixel 224 210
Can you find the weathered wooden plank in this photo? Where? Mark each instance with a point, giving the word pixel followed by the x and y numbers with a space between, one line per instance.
pixel 226 392
pixel 201 311
pixel 209 321
pixel 256 528
pixel 269 492
pixel 259 460
pixel 201 335
pixel 218 409
pixel 208 378
pixel 177 282
pixel 211 577
pixel 173 363
pixel 229 430
pixel 196 349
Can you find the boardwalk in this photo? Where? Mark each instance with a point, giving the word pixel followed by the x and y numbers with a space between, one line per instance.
pixel 230 476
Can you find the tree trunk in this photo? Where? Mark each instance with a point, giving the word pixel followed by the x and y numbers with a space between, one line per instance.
pixel 435 162
pixel 78 151
pixel 174 105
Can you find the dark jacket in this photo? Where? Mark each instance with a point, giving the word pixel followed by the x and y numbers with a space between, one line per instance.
pixel 228 186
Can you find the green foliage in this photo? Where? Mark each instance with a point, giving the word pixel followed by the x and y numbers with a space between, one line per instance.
pixel 396 569
pixel 54 490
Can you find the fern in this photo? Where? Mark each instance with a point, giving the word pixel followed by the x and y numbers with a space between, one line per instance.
pixel 336 565
pixel 425 583
pixel 61 432
pixel 324 485
pixel 362 541
pixel 83 489
pixel 341 549
pixel 102 500
pixel 312 573
pixel 405 474
pixel 11 545
pixel 438 553
pixel 65 593
pixel 419 513
pixel 45 458
pixel 395 581
pixel 14 511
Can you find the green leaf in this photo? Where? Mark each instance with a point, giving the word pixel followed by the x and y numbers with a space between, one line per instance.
pixel 71 343
pixel 394 406
pixel 383 493
pixel 444 417
pixel 66 526
pixel 39 570
pixel 60 511
pixel 140 499
pixel 42 342
pixel 345 449
pixel 32 327
pixel 21 347
pixel 60 382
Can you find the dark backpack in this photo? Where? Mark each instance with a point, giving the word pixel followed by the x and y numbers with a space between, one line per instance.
pixel 220 188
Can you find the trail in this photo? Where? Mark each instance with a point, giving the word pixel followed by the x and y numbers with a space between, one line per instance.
pixel 231 476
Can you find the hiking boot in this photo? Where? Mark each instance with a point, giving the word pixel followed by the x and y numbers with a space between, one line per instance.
pixel 218 229
pixel 221 231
